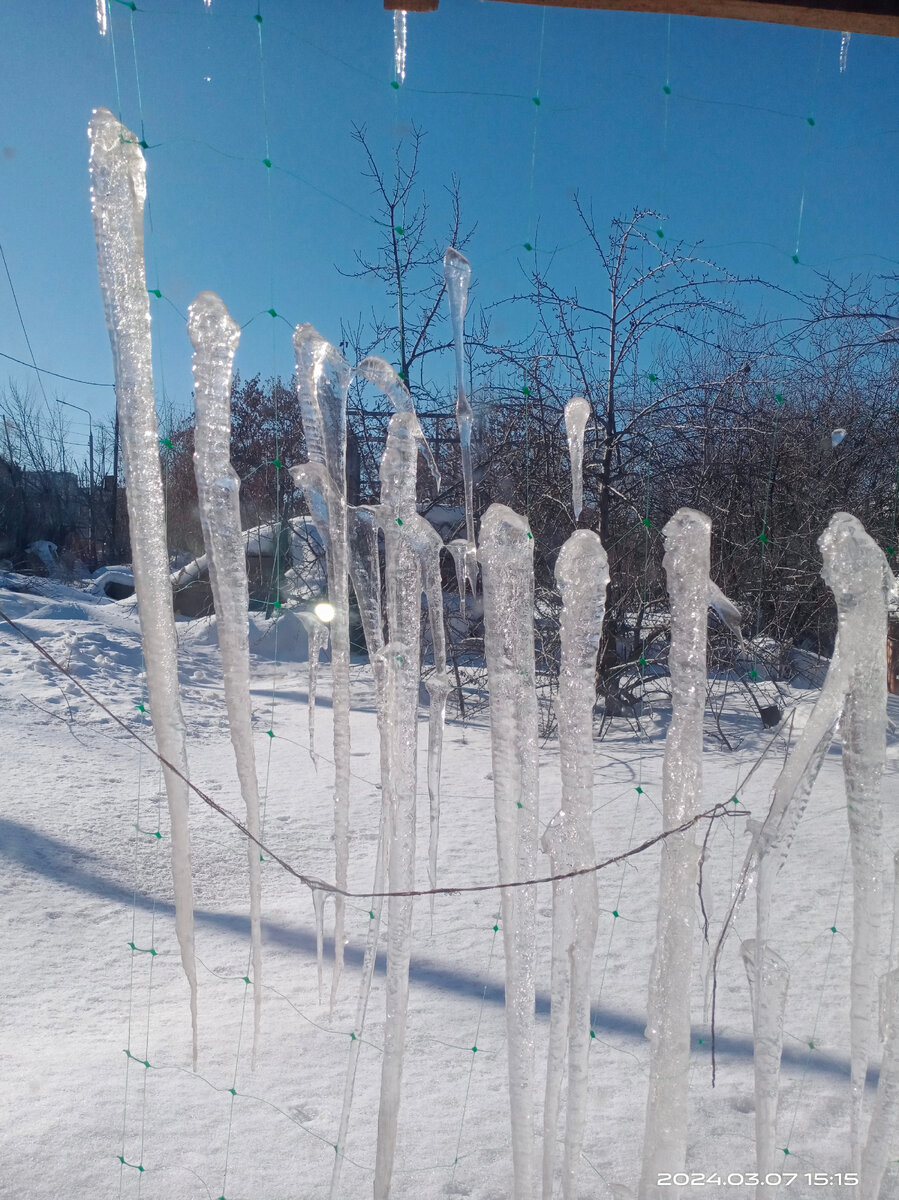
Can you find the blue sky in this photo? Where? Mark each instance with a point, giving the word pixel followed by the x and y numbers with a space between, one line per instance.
pixel 729 156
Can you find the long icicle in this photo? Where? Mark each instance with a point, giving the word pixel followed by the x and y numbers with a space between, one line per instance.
pixel 401 654
pixel 214 336
pixel 853 567
pixel 426 544
pixel 365 572
pixel 118 192
pixel 507 571
pixel 885 1115
pixel 855 570
pixel 457 275
pixel 323 379
pixel 577 414
pixel 687 539
pixel 582 576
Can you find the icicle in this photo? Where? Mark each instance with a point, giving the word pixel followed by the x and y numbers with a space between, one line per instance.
pixel 577 414
pixel 768 1006
pixel 368 968
pixel 727 611
pixel 427 543
pixel 401 656
pixel 214 337
pixel 880 1146
pixel 399 45
pixel 379 372
pixel 506 556
pixel 854 570
pixel 582 576
pixel 317 635
pixel 323 378
pixel 457 274
pixel 885 1116
pixel 844 51
pixel 893 963
pixel 118 191
pixel 366 576
pixel 458 548
pixel 686 563
pixel 318 904
pixel 855 686
pixel 101 17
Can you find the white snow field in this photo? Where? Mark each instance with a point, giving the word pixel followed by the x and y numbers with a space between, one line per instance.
pixel 85 846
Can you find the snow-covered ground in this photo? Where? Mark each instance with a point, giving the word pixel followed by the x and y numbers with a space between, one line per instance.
pixel 84 874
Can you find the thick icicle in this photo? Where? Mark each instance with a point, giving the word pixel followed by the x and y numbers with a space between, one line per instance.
pixel 101 18
pixel 323 378
pixel 401 654
pixel 379 372
pixel 457 275
pixel 880 1146
pixel 686 563
pixel 577 414
pixel 885 1116
pixel 854 569
pixel 582 576
pixel 118 191
pixel 317 635
pixel 768 1035
pixel 506 557
pixel 214 336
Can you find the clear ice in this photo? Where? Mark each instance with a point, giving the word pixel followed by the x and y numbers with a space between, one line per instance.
pixel 880 1145
pixel 214 337
pixel 399 45
pixel 768 1007
pixel 853 694
pixel 323 379
pixel 457 274
pixel 577 414
pixel 507 573
pixel 317 635
pixel 687 537
pixel 400 719
pixel 582 577
pixel 118 192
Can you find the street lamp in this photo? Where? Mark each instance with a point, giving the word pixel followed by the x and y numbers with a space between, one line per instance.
pixel 90 448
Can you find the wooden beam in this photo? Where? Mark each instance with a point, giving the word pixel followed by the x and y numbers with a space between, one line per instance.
pixel 411 5
pixel 879 17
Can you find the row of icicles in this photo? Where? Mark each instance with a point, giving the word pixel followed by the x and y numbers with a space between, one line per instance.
pixel 854 695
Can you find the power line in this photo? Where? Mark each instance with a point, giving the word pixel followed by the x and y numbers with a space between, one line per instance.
pixel 43 370
pixel 22 323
